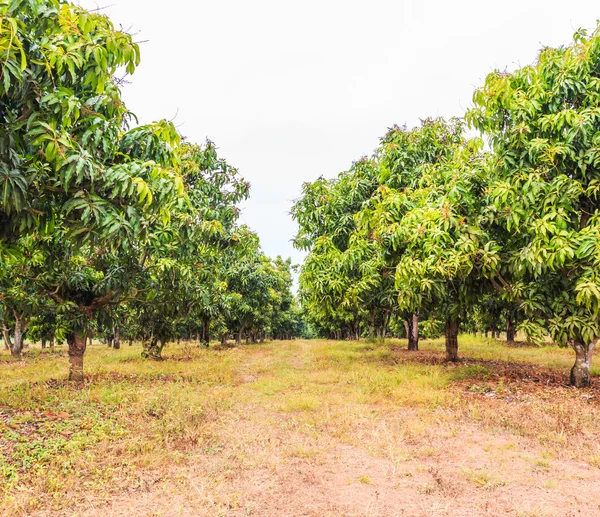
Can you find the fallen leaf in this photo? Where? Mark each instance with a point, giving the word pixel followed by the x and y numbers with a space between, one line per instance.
pixel 66 433
pixel 63 414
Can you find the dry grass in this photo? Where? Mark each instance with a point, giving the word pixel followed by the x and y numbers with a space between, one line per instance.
pixel 232 418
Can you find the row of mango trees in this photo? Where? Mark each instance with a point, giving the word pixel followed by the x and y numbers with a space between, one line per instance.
pixel 108 227
pixel 442 227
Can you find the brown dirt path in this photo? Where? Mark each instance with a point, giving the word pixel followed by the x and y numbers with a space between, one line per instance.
pixel 470 474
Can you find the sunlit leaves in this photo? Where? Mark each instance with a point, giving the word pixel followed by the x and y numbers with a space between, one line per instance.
pixel 78 186
pixel 543 122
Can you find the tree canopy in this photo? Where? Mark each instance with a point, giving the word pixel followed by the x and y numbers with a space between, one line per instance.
pixel 131 231
pixel 543 123
pixel 103 221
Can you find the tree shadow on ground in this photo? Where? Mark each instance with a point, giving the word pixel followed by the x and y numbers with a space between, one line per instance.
pixel 466 370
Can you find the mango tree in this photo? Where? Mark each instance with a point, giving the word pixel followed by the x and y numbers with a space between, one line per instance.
pixel 543 124
pixel 343 285
pixel 431 231
pixel 71 173
pixel 21 298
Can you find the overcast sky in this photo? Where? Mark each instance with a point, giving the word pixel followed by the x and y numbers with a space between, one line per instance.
pixel 290 91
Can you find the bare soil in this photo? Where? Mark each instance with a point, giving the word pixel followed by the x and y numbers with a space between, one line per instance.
pixel 327 430
pixel 472 473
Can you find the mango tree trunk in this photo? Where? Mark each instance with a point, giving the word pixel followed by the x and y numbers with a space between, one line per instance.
pixel 52 340
pixel 238 338
pixel 6 336
pixel 205 332
pixel 580 373
pixel 386 323
pixel 77 342
pixel 452 340
pixel 17 344
pixel 412 326
pixel 510 329
pixel 43 341
pixel 152 349
pixel 116 337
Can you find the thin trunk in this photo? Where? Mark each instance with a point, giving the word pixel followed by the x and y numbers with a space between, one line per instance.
pixel 413 331
pixel 238 338
pixel 130 342
pixel 205 332
pixel 43 341
pixel 580 373
pixel 77 343
pixel 510 329
pixel 116 337
pixel 152 349
pixel 17 344
pixel 386 323
pixel 6 335
pixel 452 340
pixel 52 340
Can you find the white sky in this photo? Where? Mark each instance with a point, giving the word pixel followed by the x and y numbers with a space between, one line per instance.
pixel 290 91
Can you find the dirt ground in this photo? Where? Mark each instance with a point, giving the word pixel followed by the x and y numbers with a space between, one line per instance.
pixel 473 476
pixel 306 435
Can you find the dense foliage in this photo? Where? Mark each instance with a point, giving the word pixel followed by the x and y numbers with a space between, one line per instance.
pixel 112 229
pixel 108 228
pixel 431 226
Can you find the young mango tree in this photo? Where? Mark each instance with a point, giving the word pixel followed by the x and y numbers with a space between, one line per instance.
pixel 215 189
pixel 182 278
pixel 543 124
pixel 251 285
pixel 402 158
